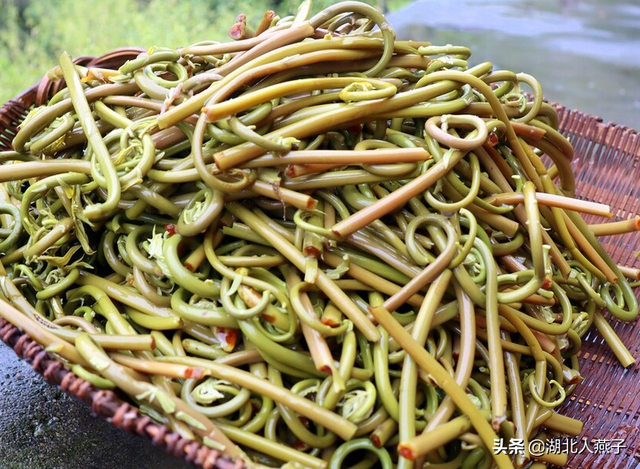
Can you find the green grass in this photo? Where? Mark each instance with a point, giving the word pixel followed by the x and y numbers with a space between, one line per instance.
pixel 33 34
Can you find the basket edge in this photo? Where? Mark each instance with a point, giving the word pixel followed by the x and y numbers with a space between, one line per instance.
pixel 107 405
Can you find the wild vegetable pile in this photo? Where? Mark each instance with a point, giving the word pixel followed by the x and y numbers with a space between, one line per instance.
pixel 316 245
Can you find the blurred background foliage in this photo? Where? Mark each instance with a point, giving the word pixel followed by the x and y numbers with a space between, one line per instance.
pixel 34 33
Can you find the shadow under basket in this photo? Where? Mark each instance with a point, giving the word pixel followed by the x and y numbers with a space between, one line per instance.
pixel 606 165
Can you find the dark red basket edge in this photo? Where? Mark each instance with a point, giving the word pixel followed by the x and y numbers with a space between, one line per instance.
pixel 110 406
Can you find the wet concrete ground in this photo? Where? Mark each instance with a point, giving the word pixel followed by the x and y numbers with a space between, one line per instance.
pixel 43 428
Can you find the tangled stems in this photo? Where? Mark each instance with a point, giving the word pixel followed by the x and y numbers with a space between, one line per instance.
pixel 145 391
pixel 443 137
pixel 42 168
pixel 537 250
pixel 340 454
pixel 435 268
pixel 408 382
pixel 369 12
pixel 322 239
pixel 350 92
pixel 427 362
pixel 396 199
pixel 15 229
pixel 296 258
pixel 85 116
pixel 183 276
pixel 40 334
pixel 329 420
pixel 496 368
pixel 303 314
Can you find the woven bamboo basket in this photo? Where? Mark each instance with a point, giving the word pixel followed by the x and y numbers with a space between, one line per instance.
pixel 607 169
